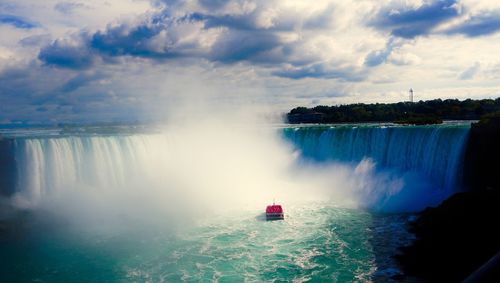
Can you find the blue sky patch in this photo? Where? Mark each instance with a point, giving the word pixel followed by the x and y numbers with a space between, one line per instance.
pixel 17 22
pixel 478 26
pixel 409 23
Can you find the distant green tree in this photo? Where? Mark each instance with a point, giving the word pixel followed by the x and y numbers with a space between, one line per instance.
pixel 431 111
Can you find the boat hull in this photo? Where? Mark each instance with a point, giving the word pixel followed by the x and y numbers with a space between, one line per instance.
pixel 275 216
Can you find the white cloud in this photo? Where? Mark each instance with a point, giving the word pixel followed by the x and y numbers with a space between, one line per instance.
pixel 279 53
pixel 401 58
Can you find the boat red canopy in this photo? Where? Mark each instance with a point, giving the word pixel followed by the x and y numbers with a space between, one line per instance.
pixel 275 208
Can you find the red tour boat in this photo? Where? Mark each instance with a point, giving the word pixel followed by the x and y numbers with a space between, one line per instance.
pixel 274 212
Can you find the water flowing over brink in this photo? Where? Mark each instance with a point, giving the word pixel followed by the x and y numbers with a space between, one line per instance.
pixel 48 165
pixel 435 152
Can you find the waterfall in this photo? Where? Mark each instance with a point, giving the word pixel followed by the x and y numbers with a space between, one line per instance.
pixel 49 165
pixel 217 163
pixel 434 152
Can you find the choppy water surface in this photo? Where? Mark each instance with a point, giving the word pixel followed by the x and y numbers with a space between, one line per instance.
pixel 316 241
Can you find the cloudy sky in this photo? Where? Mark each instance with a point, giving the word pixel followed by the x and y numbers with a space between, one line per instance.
pixel 109 60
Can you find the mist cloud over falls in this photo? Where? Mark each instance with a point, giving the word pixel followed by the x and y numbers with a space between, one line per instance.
pixel 194 169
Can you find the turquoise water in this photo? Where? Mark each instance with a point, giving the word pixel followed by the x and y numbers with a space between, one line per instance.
pixel 151 207
pixel 314 242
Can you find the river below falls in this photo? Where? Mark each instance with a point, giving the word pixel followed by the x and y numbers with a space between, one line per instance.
pixel 316 241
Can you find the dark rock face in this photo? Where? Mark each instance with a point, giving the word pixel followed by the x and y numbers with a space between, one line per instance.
pixel 482 159
pixel 456 238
